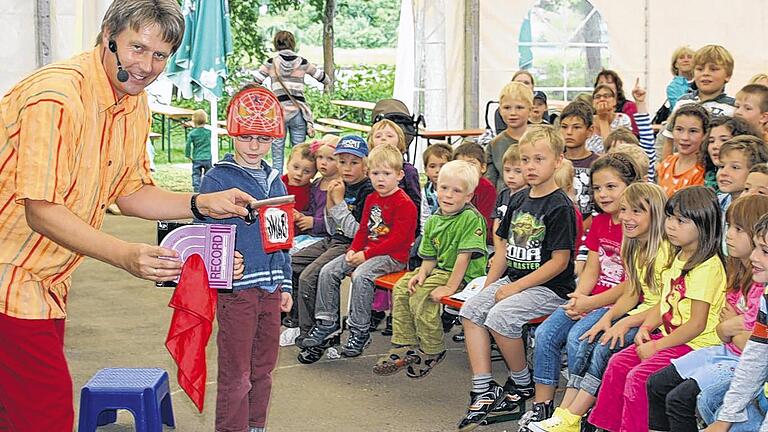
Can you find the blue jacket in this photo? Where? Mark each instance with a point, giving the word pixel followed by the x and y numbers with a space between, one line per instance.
pixel 262 270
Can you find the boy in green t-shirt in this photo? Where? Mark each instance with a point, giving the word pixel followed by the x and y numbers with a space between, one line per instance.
pixel 198 148
pixel 453 252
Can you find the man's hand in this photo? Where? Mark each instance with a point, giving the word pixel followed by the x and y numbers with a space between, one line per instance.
pixel 354 258
pixel 286 302
pixel 507 290
pixel 438 293
pixel 238 266
pixel 225 204
pixel 145 262
pixel 415 281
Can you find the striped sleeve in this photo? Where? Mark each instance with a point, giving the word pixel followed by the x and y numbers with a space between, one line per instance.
pixel 317 74
pixel 647 141
pixel 137 158
pixel 46 136
pixel 261 74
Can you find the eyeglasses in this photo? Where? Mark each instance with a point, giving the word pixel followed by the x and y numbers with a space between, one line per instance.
pixel 602 96
pixel 259 138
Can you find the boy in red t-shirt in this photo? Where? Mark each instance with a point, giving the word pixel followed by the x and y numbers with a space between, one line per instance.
pixel 484 198
pixel 380 246
pixel 298 175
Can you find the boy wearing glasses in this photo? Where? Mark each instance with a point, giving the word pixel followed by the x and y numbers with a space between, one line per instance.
pixel 249 314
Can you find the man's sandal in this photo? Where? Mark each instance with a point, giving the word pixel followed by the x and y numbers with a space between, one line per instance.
pixel 396 360
pixel 424 365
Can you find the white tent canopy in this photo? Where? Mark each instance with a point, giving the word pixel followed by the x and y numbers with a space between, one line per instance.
pixel 641 34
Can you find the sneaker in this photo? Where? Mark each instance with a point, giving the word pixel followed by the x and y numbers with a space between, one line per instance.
pixel 310 355
pixel 516 397
pixel 319 334
pixel 540 412
pixel 561 421
pixel 290 322
pixel 357 342
pixel 480 405
pixel 458 337
pixel 376 318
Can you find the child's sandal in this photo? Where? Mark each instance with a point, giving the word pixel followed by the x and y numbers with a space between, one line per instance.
pixel 396 360
pixel 424 365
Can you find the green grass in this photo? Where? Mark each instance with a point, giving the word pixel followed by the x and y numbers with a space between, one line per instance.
pixel 172 177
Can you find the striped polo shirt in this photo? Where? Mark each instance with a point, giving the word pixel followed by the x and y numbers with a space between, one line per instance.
pixel 66 140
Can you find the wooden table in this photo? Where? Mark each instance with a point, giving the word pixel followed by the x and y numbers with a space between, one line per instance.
pixel 449 134
pixel 166 113
pixel 363 105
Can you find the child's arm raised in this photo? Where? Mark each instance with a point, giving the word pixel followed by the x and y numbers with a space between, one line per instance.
pixel 643 121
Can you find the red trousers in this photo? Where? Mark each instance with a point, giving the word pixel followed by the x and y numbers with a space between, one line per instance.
pixel 35 385
pixel 248 341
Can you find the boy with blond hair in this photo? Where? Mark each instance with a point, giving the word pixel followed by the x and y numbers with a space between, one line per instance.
pixel 198 148
pixel 537 237
pixel 379 247
pixel 712 69
pixel 453 253
pixel 515 102
pixel 752 106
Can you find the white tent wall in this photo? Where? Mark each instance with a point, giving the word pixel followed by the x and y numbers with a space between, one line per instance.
pixel 641 36
pixel 74 26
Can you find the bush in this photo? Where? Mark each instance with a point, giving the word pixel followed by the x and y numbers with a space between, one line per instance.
pixel 364 83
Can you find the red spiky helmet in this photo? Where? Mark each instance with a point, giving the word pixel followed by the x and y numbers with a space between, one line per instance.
pixel 255 111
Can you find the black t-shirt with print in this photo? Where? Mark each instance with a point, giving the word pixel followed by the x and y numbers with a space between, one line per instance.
pixel 534 227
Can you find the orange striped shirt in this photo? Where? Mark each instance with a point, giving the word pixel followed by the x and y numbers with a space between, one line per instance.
pixel 66 140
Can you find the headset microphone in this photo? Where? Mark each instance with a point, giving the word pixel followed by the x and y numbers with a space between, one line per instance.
pixel 122 75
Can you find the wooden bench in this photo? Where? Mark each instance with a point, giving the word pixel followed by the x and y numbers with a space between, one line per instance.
pixel 343 124
pixel 326 129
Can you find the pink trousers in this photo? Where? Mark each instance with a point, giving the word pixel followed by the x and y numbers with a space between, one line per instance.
pixel 622 402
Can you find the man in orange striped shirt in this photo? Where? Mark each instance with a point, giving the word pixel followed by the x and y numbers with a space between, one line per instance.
pixel 72 142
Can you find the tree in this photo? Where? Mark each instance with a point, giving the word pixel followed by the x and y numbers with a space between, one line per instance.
pixel 329 14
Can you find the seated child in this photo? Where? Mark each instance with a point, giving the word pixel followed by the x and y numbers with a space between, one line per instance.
pixel 380 247
pixel 453 253
pixel 343 213
pixel 564 180
pixel 299 172
pixel 673 391
pixel 312 221
pixel 539 110
pixel 737 157
pixel 741 410
pixel 515 101
pixel 387 132
pixel 537 236
pixel 713 68
pixel 248 316
pixel 435 157
pixel 691 299
pixel 514 181
pixel 752 106
pixel 757 181
pixel 198 148
pixel 597 287
pixel 721 129
pixel 683 168
pixel 484 197
pixel 644 255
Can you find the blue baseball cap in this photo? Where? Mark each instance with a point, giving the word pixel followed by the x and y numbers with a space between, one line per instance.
pixel 353 145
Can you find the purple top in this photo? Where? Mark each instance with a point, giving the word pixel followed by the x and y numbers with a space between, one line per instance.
pixel 410 184
pixel 316 208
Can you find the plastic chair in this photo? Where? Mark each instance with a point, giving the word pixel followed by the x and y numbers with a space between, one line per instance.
pixel 144 392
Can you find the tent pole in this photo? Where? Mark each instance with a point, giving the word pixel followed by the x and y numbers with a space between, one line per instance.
pixel 214 128
pixel 471 63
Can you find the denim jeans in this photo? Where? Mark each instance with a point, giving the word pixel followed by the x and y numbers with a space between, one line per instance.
pixel 586 372
pixel 552 335
pixel 296 127
pixel 199 169
pixel 711 399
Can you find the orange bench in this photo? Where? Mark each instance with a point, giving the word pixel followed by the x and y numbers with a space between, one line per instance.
pixel 388 282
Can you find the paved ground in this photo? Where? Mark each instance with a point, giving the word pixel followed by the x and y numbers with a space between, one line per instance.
pixel 119 321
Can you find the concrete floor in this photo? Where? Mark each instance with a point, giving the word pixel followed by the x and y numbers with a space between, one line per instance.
pixel 116 320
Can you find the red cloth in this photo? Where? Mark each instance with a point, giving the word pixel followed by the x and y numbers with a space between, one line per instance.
pixel 387 227
pixel 195 308
pixel 300 192
pixel 484 201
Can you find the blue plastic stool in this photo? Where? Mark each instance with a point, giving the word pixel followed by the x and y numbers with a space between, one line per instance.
pixel 144 392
